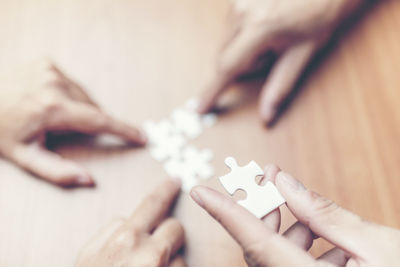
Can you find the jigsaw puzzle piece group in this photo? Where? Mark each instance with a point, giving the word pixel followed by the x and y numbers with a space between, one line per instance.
pixel 168 144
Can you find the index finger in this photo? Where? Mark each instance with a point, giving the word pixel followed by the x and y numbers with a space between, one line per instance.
pixel 248 231
pixel 153 209
pixel 88 119
pixel 227 212
pixel 236 59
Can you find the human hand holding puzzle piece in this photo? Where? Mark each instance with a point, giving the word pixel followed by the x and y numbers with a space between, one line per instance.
pixel 260 199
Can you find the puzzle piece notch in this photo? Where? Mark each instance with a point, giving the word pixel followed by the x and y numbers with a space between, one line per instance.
pixel 238 176
pixel 260 200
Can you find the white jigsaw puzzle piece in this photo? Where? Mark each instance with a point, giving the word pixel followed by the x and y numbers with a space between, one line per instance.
pixel 170 148
pixel 187 122
pixel 165 142
pixel 158 131
pixel 260 200
pixel 176 168
pixel 168 143
pixel 192 104
pixel 190 166
pixel 206 121
pixel 199 161
pixel 209 120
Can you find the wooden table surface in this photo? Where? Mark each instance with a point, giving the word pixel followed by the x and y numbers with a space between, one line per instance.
pixel 139 60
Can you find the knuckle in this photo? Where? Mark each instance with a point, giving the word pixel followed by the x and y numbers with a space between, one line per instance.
pixel 321 208
pixel 175 224
pixel 124 238
pixel 162 249
pixel 51 78
pixel 160 254
pixel 253 253
pixel 225 205
pixel 135 235
pixel 180 228
pixel 225 65
pixel 51 104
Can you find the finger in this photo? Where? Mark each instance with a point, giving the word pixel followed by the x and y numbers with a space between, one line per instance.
pixel 335 256
pixel 177 262
pixel 78 93
pixel 87 119
pixel 283 78
pixel 233 27
pixel 326 219
pixel 237 57
pixel 273 219
pixel 251 234
pixel 50 166
pixel 170 233
pixel 155 206
pixel 300 235
pixel 98 241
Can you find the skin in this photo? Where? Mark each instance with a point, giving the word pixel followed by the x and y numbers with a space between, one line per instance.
pixel 357 242
pixel 293 30
pixel 148 238
pixel 38 99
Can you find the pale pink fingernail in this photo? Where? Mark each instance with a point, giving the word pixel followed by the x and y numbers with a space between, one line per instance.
pixel 84 180
pixel 196 197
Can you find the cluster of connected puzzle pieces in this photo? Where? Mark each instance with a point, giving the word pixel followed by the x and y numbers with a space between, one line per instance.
pixel 169 144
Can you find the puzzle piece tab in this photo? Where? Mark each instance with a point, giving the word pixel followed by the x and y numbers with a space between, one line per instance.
pixel 260 200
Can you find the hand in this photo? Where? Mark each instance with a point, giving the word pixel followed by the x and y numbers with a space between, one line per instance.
pixel 292 29
pixel 40 99
pixel 358 242
pixel 146 239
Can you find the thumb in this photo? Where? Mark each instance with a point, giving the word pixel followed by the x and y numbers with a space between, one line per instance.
pixel 324 217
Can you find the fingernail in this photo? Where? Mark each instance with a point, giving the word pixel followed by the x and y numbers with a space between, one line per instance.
pixel 268 115
pixel 84 180
pixel 291 182
pixel 196 197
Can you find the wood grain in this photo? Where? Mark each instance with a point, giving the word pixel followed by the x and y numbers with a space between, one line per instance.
pixel 139 59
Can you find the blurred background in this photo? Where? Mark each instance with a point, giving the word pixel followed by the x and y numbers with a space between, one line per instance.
pixel 139 60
